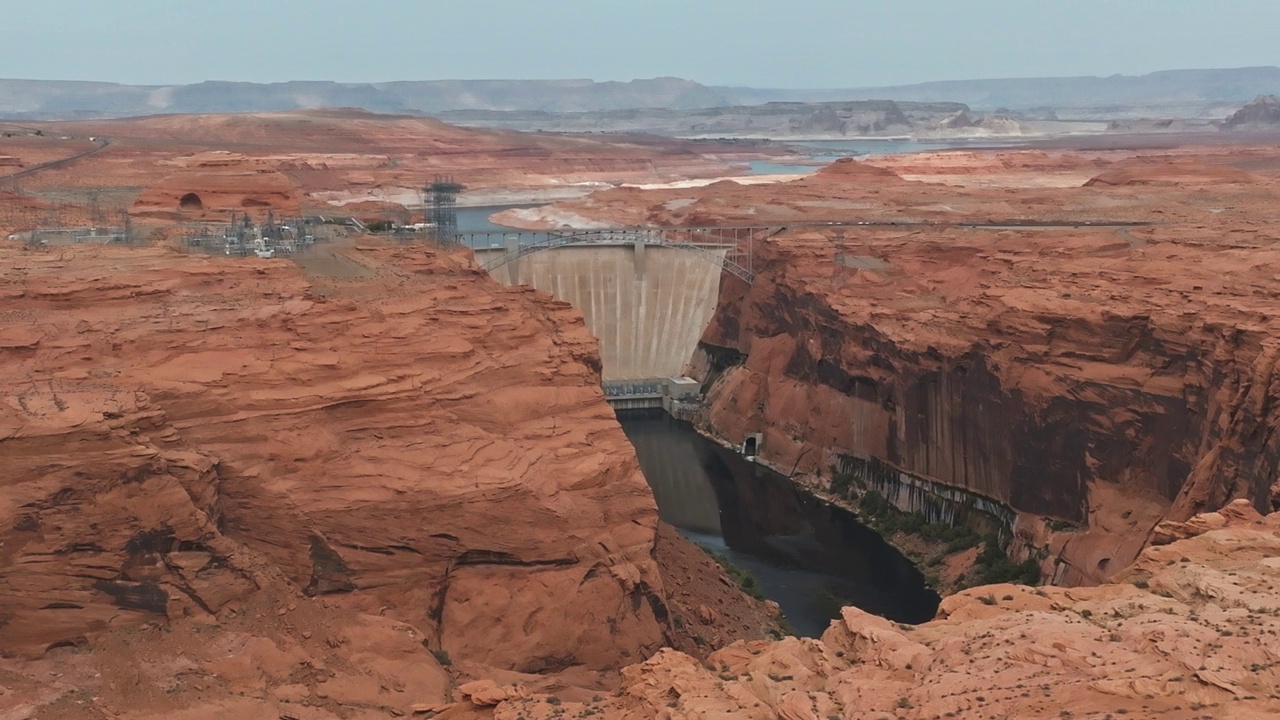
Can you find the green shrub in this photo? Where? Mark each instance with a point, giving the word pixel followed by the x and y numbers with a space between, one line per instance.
pixel 880 514
pixel 748 582
pixel 994 566
pixel 873 505
pixel 841 483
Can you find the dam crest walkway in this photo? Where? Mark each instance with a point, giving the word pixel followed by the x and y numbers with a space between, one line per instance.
pixel 727 247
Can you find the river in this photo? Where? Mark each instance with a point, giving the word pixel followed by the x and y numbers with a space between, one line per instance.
pixel 809 556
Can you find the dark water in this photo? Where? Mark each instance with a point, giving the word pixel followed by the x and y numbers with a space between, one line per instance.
pixel 811 557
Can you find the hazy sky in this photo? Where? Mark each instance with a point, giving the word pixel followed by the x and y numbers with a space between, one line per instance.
pixel 773 43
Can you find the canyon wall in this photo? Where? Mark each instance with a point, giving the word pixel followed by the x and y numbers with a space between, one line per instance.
pixel 394 433
pixel 1084 339
pixel 943 364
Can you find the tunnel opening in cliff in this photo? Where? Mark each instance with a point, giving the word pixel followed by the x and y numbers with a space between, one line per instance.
pixel 190 201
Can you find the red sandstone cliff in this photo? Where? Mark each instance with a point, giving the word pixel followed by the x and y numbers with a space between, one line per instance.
pixel 1106 377
pixel 197 442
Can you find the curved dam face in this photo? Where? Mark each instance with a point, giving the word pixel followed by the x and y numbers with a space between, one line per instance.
pixel 647 304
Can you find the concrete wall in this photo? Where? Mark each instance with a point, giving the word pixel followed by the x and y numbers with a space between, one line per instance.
pixel 648 305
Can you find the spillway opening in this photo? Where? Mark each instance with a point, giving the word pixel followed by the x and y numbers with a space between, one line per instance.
pixel 808 555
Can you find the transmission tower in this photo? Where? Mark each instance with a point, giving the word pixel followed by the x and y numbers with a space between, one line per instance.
pixel 444 207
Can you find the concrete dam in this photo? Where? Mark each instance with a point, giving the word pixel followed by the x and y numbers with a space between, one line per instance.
pixel 646 294
pixel 647 304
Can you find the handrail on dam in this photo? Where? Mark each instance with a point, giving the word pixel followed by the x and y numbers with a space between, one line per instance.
pixel 708 242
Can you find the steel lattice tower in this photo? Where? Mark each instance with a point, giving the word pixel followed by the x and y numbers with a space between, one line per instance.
pixel 444 211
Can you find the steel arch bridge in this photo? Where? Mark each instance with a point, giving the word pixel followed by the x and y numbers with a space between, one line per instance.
pixel 728 247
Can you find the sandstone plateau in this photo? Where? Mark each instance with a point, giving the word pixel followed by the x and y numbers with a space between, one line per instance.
pixel 232 487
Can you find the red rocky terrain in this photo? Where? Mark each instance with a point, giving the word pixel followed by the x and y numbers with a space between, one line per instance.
pixel 196 167
pixel 1186 633
pixel 374 483
pixel 1094 380
pixel 233 487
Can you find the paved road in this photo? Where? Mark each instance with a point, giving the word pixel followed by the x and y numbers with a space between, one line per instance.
pixel 103 143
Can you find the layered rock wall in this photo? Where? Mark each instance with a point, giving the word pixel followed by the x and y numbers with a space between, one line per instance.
pixel 936 502
pixel 419 443
pixel 1048 403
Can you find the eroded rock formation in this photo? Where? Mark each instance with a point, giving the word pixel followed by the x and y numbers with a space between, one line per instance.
pixel 163 410
pixel 1261 114
pixel 214 194
pixel 395 434
pixel 1187 632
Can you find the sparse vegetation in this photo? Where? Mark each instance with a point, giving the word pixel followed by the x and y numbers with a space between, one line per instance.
pixel 994 566
pixel 442 657
pixel 841 483
pixel 1061 526
pixel 748 582
pixel 876 510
